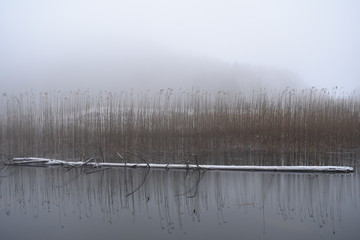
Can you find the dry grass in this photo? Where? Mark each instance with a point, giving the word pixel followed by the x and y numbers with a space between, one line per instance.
pixel 173 122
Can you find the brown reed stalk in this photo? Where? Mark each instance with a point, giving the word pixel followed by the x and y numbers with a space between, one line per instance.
pixel 46 124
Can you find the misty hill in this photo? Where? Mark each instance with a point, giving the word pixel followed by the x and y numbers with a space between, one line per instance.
pixel 138 67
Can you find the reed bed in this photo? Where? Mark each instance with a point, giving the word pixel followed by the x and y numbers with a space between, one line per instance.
pixel 175 123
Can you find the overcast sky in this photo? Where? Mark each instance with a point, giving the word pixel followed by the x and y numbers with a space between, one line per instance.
pixel 317 40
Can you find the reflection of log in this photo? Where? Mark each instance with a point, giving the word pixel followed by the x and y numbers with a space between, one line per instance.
pixel 51 162
pixel 141 184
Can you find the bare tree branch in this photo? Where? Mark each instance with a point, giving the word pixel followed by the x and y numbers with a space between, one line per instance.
pixel 102 155
pixel 137 155
pixel 77 166
pixel 122 157
pixel 82 155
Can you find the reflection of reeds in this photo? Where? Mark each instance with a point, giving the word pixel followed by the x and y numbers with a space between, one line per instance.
pixel 54 123
pixel 62 197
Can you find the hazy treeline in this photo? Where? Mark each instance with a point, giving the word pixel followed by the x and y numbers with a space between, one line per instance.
pixel 55 123
pixel 139 68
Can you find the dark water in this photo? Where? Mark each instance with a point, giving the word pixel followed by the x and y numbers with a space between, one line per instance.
pixel 52 203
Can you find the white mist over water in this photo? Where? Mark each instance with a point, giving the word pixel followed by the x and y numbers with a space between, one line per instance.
pixel 152 44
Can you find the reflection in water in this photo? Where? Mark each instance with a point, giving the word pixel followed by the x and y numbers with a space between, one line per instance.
pixel 159 202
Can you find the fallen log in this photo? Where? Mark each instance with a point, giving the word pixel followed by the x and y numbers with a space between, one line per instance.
pixel 52 162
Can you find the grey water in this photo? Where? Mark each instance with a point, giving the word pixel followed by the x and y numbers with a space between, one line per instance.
pixel 118 203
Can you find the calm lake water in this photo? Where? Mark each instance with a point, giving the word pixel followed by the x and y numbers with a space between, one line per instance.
pixel 53 203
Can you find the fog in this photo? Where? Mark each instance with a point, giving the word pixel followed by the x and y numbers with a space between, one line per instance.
pixel 228 45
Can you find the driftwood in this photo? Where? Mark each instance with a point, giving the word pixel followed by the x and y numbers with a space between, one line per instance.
pixel 137 155
pixel 30 161
pixel 84 163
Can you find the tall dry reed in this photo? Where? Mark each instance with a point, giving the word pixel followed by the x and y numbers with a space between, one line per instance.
pixel 63 123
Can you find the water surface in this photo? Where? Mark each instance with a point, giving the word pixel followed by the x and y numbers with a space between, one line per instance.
pixel 53 203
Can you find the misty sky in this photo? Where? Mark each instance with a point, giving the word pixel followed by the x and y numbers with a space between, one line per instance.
pixel 82 43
